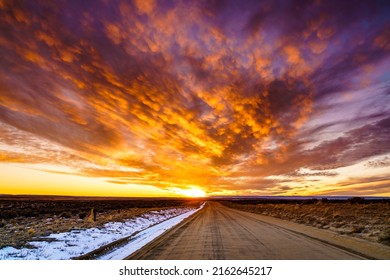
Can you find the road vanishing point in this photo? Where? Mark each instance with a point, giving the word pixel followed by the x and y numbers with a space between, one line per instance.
pixel 217 232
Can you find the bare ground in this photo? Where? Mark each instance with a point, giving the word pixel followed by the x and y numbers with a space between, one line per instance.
pixel 369 221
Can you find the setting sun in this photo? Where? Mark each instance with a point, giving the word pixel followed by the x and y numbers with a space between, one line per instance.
pixel 192 192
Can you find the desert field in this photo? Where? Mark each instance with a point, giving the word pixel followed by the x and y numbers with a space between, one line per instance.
pixel 23 220
pixel 366 219
pixel 74 228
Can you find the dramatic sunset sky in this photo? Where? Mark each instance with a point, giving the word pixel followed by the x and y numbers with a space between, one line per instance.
pixel 171 98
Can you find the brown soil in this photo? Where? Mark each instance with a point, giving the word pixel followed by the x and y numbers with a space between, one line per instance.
pixel 367 221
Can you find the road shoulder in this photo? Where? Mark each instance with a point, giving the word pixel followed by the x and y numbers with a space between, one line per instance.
pixel 361 247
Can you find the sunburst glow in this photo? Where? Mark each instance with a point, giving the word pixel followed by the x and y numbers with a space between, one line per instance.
pixel 192 192
pixel 233 97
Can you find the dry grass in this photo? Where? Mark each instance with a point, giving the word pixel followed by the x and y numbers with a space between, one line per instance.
pixel 16 231
pixel 369 221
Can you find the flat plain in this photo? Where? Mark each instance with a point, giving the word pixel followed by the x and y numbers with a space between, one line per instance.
pixel 26 218
pixel 223 229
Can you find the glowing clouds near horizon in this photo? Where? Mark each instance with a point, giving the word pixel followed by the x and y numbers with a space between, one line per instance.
pixel 191 191
pixel 231 98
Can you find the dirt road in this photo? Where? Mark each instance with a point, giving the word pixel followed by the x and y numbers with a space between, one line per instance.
pixel 219 232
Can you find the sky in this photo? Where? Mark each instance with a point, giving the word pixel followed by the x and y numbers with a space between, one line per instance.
pixel 173 98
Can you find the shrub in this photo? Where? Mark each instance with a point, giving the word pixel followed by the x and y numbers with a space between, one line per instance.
pixel 355 200
pixel 65 215
pixel 82 215
pixel 29 213
pixel 357 229
pixel 385 238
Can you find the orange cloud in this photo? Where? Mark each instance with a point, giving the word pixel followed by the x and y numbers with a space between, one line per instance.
pixel 145 6
pixel 325 33
pixel 182 94
pixel 317 47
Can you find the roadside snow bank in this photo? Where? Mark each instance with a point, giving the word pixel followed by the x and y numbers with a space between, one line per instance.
pixel 146 236
pixel 67 245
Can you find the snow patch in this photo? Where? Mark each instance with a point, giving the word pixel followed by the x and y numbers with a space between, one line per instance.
pixel 67 245
pixel 146 236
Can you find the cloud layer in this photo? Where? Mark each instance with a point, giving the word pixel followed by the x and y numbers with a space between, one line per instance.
pixel 219 94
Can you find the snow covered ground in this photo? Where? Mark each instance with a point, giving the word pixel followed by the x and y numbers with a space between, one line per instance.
pixel 67 245
pixel 144 237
